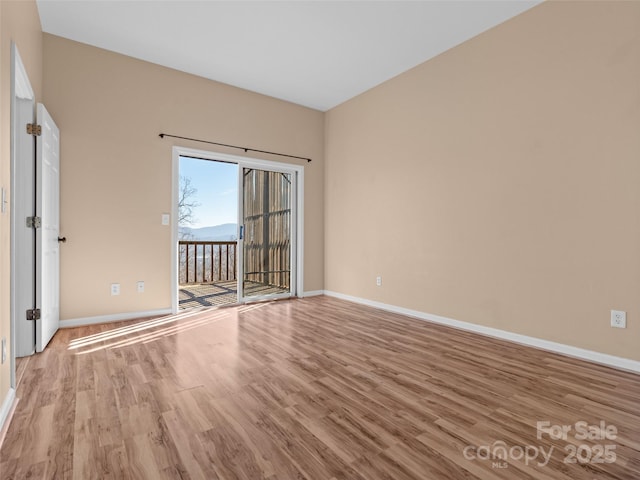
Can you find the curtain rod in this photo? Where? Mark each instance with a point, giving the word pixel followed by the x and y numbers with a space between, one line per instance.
pixel 246 149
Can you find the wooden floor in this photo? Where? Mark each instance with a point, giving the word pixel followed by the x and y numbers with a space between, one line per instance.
pixel 311 389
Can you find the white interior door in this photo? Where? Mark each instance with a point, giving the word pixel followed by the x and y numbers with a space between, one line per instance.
pixel 47 245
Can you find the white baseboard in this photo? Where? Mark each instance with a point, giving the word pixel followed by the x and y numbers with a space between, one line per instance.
pixel 597 357
pixel 6 411
pixel 313 293
pixel 80 322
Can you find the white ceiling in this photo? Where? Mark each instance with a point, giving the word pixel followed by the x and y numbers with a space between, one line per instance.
pixel 313 53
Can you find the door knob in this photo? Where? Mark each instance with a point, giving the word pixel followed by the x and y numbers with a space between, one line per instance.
pixel 62 239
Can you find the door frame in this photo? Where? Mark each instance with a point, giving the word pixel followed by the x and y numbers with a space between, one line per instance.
pixel 20 85
pixel 241 161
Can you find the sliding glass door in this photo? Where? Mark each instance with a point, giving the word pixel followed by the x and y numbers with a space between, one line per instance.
pixel 267 239
pixel 260 258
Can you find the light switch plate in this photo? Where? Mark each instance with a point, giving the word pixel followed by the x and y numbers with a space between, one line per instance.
pixel 166 218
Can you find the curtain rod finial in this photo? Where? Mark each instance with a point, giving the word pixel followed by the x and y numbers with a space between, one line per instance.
pixel 161 135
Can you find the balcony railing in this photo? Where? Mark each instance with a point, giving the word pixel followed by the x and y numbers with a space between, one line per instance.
pixel 206 262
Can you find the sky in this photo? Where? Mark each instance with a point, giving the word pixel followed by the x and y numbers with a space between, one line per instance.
pixel 217 191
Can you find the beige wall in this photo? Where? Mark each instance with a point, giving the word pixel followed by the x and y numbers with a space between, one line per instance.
pixel 499 183
pixel 19 22
pixel 116 172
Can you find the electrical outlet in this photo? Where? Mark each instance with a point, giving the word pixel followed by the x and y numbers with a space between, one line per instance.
pixel 618 319
pixel 4 349
pixel 115 289
pixel 141 287
pixel 379 281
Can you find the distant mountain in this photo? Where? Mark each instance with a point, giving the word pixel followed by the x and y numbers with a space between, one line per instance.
pixel 217 233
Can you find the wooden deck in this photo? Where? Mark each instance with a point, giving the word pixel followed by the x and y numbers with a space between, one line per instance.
pixel 208 294
pixel 219 293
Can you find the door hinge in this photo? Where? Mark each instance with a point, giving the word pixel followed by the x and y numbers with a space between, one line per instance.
pixel 34 129
pixel 33 314
pixel 34 222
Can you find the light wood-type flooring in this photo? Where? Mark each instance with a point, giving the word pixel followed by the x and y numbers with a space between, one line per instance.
pixel 316 389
